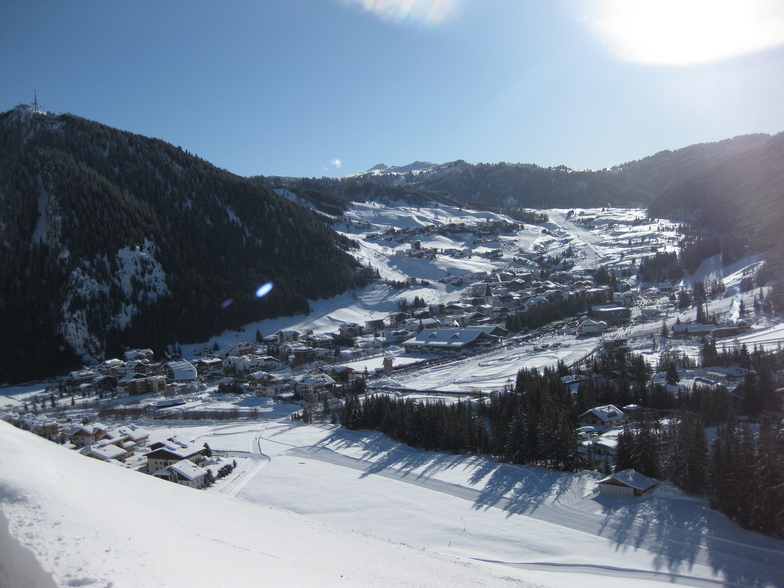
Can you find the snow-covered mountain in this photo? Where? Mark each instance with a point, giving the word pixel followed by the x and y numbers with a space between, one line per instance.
pixel 108 238
pixel 417 168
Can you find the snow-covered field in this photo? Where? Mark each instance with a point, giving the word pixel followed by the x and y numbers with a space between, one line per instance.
pixel 318 505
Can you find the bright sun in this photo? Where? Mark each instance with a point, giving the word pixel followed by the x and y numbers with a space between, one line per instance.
pixel 687 32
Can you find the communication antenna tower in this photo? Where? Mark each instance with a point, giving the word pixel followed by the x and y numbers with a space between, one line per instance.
pixel 35 100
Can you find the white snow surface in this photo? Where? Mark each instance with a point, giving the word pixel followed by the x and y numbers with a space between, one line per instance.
pixel 68 520
pixel 315 505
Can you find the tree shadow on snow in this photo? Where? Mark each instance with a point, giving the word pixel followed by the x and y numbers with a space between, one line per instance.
pixel 682 533
pixel 380 454
pixel 520 490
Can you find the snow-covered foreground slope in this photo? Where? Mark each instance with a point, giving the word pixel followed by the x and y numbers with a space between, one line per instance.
pixel 529 518
pixel 68 520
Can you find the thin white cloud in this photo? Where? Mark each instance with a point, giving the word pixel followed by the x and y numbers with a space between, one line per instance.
pixel 422 12
pixel 336 162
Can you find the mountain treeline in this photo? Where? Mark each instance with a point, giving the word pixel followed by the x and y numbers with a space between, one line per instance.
pixel 111 240
pixel 502 187
pixel 696 182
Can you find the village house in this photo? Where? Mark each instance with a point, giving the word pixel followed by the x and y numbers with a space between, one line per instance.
pixel 686 330
pixel 184 472
pixel 139 354
pixel 448 340
pixel 243 348
pixel 603 447
pixel 350 330
pixel 731 374
pixel 41 425
pixel 301 354
pixel 602 416
pixel 112 367
pixel 339 373
pixel 592 327
pixel 397 318
pixel 138 366
pixel 138 435
pixel 105 452
pixel 624 298
pixel 611 314
pixel 163 455
pixel 246 364
pixel 181 371
pixel 267 384
pixel 493 330
pixel 535 302
pixel 118 439
pixel 318 340
pixel 615 347
pixel 627 483
pixel 373 325
pixel 396 336
pixel 314 384
pixel 259 380
pixel 208 365
pixel 466 319
pixel 287 336
pixel 84 376
pixel 84 435
pixel 725 331
pixel 456 308
pixel 133 384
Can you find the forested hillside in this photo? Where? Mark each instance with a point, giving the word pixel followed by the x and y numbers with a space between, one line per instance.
pixel 736 190
pixel 503 187
pixel 110 239
pixel 702 180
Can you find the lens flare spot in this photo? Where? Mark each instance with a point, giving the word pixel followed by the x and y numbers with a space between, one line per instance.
pixel 263 290
pixel 228 302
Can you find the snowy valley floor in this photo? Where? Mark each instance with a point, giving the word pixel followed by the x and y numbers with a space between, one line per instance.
pixel 532 519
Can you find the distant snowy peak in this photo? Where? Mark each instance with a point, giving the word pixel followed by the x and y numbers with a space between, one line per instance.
pixel 416 168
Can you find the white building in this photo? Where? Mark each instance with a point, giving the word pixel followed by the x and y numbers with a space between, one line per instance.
pixel 185 473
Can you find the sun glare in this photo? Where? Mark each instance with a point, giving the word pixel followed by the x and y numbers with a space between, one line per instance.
pixel 687 32
pixel 423 12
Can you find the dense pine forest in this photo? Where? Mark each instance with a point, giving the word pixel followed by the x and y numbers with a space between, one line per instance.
pixel 112 240
pixel 534 422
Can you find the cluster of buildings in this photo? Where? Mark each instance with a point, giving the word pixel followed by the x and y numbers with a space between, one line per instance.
pixel 137 373
pixel 171 460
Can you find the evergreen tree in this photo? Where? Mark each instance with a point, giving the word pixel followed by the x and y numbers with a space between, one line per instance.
pixel 767 505
pixel 638 447
pixel 687 453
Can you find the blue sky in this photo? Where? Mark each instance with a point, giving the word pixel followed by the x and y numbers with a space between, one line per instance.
pixel 293 87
